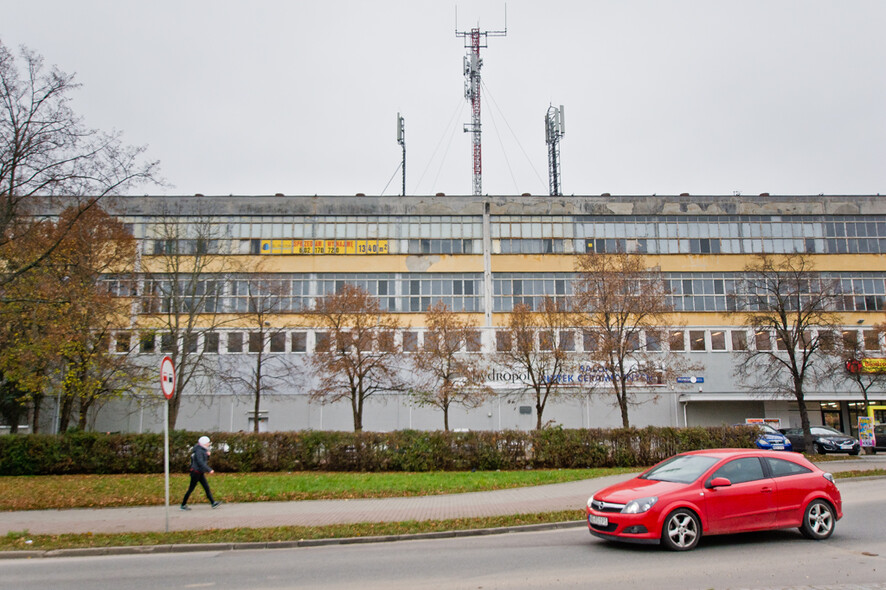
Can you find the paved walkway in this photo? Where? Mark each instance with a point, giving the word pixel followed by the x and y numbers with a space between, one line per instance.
pixel 565 496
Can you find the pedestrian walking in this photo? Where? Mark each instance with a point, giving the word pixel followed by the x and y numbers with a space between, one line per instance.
pixel 199 468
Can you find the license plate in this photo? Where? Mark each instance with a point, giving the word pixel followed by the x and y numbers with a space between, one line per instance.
pixel 846 446
pixel 598 520
pixel 777 447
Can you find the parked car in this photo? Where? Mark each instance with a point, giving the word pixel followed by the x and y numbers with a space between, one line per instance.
pixel 879 437
pixel 824 440
pixel 717 491
pixel 771 439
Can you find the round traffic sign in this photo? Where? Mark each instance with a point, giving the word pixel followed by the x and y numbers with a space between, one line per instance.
pixel 167 377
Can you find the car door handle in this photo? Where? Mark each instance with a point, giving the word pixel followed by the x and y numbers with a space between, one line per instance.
pixel 766 490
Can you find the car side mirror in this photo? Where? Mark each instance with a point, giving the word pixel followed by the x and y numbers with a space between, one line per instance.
pixel 719 482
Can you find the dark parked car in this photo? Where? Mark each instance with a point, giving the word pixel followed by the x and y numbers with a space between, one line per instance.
pixel 880 436
pixel 824 440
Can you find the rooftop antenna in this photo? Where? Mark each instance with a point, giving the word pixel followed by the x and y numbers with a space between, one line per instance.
pixel 401 139
pixel 475 39
pixel 554 130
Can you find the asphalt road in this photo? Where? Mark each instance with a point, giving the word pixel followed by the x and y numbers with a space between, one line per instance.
pixel 854 558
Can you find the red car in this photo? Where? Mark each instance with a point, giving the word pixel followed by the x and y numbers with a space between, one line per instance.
pixel 717 491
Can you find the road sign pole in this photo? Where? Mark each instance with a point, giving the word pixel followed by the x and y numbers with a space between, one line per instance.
pixel 167 386
pixel 166 455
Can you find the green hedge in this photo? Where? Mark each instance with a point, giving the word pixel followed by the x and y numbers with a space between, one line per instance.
pixel 405 450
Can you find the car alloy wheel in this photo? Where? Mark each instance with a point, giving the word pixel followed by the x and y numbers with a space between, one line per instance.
pixel 681 531
pixel 818 520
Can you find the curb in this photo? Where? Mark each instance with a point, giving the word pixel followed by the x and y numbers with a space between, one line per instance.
pixel 148 549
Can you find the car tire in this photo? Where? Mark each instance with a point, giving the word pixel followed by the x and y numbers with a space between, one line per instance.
pixel 818 520
pixel 681 530
pixel 855 452
pixel 816 448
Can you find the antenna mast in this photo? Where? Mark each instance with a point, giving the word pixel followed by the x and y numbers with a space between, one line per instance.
pixel 401 139
pixel 554 130
pixel 475 39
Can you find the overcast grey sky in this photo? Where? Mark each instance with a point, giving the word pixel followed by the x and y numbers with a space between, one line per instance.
pixel 698 96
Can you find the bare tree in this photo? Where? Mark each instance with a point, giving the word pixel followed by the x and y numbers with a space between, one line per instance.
pixel 536 343
pixel 182 296
pixel 619 300
pixel 790 300
pixel 355 355
pixel 46 150
pixel 447 372
pixel 263 297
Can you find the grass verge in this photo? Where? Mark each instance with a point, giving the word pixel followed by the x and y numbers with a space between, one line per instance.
pixel 22 541
pixel 105 491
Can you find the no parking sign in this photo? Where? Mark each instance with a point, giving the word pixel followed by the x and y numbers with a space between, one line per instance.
pixel 167 377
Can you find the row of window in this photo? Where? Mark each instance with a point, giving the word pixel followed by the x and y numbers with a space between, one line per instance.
pixel 570 340
pixel 518 234
pixel 415 292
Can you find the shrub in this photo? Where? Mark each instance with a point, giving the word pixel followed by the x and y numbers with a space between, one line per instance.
pixel 405 450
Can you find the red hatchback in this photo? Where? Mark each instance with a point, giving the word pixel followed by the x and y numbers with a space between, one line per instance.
pixel 717 491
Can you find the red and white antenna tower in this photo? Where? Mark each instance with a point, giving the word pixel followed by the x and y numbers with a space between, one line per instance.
pixel 475 39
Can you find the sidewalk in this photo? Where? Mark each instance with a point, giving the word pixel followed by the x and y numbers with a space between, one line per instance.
pixel 565 496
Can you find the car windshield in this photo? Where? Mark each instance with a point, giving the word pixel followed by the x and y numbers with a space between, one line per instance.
pixel 766 429
pixel 680 469
pixel 825 430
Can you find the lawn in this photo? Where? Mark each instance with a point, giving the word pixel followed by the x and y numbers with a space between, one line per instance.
pixel 102 491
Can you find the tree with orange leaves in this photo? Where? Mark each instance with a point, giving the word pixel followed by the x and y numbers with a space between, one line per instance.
pixel 447 372
pixel 355 356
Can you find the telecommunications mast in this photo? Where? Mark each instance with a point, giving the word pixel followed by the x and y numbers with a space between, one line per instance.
pixel 401 139
pixel 475 39
pixel 554 130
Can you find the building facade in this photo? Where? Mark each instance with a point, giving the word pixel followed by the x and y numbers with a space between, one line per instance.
pixel 482 255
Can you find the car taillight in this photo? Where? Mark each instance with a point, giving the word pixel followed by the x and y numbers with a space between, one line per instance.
pixel 828 477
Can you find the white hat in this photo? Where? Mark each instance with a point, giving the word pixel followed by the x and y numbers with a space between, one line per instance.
pixel 204 441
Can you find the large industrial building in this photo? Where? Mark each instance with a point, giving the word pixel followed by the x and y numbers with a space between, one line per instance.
pixel 481 255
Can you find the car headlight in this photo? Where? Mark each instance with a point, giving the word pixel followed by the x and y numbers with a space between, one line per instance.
pixel 639 505
pixel 590 501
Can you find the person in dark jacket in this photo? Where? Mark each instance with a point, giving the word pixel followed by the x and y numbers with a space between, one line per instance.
pixel 199 468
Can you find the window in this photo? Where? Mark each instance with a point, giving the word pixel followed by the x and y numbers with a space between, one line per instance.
pixel 322 341
pixel 591 341
pixel 783 468
pixel 567 340
pixel 546 340
pixel 256 342
pixel 762 341
pixel 871 340
pixel 741 470
pixel 190 342
pixel 299 342
pixel 167 342
pixel 503 342
pixel 850 340
pixel 235 342
pixel 718 340
pixel 124 340
pixel 146 343
pixel 653 341
pixel 278 342
pixel 739 340
pixel 472 341
pixel 696 340
pixel 386 341
pixel 826 341
pixel 676 340
pixel 410 341
pixel 210 342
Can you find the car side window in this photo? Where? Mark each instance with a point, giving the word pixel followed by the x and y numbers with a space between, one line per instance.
pixel 741 470
pixel 782 467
